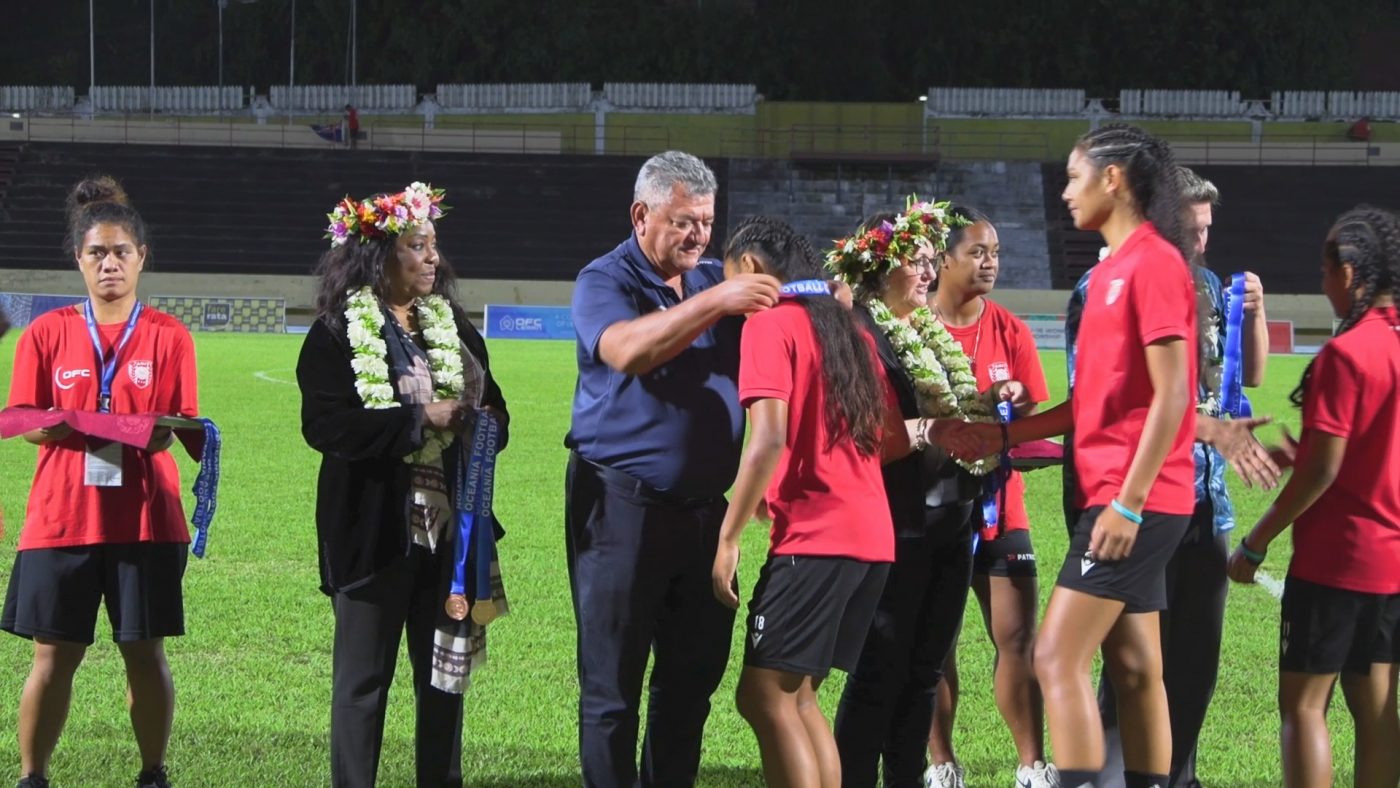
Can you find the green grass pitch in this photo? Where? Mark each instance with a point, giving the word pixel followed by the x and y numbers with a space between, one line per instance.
pixel 253 674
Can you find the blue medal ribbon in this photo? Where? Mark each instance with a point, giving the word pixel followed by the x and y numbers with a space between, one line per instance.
pixel 206 487
pixel 994 483
pixel 1232 397
pixel 804 287
pixel 108 366
pixel 476 477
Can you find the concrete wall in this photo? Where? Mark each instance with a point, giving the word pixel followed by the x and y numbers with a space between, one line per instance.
pixel 297 291
pixel 1310 313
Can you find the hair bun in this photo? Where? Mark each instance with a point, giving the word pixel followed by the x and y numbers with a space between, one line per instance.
pixel 96 189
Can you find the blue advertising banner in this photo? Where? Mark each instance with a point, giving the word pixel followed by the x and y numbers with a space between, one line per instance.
pixel 507 321
pixel 22 308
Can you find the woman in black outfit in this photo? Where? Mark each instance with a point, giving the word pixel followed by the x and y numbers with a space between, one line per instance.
pixel 887 704
pixel 391 375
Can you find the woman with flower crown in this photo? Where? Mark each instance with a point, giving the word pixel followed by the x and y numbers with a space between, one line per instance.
pixel 887 704
pixel 391 374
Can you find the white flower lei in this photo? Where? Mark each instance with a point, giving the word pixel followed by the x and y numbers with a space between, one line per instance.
pixel 943 378
pixel 364 326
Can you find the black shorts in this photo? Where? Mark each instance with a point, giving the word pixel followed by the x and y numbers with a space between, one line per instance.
pixel 809 614
pixel 1326 630
pixel 1138 581
pixel 1008 555
pixel 54 592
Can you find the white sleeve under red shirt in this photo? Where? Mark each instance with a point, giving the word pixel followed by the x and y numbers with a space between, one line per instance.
pixel 824 502
pixel 1350 537
pixel 1142 293
pixel 56 367
pixel 1002 348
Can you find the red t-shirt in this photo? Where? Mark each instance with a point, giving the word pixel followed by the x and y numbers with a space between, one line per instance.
pixel 56 367
pixel 1002 348
pixel 827 503
pixel 1350 537
pixel 1141 294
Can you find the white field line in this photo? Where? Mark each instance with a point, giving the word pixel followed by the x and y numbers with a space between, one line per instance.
pixel 1269 583
pixel 263 375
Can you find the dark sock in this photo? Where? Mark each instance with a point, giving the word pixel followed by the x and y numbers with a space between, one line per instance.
pixel 1144 780
pixel 1075 779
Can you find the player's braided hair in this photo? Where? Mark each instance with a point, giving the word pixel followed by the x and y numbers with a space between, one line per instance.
pixel 1153 179
pixel 1368 239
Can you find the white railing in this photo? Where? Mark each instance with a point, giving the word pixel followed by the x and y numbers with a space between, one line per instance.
pixel 332 98
pixel 176 99
pixel 662 96
pixel 1346 104
pixel 1187 103
pixel 1004 101
pixel 536 97
pixel 1298 103
pixel 28 98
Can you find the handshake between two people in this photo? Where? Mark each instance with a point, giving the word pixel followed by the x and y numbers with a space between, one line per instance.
pixel 966 440
pixel 970 440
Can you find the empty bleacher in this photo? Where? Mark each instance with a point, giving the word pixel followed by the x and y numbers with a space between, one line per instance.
pixel 262 211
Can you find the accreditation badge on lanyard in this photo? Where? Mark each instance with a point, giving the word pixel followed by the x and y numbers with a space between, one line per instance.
pixel 102 463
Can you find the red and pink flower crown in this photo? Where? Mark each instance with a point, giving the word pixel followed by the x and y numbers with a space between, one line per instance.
pixel 384 215
pixel 887 246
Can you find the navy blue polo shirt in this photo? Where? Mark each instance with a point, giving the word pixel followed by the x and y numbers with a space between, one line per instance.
pixel 678 427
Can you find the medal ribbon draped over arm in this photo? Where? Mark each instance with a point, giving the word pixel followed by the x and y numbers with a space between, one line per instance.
pixel 994 487
pixel 1232 397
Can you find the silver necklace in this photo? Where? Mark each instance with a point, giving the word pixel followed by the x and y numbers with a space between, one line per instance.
pixel 977 341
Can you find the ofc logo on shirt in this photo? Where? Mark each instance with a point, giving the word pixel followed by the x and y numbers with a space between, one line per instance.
pixel 68 378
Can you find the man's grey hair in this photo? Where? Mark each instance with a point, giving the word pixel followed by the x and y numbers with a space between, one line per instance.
pixel 662 171
pixel 1195 189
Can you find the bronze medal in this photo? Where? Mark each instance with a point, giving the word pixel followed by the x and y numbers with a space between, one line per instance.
pixel 456 607
pixel 484 611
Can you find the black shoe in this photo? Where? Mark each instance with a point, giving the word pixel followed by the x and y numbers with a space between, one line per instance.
pixel 153 778
pixel 34 781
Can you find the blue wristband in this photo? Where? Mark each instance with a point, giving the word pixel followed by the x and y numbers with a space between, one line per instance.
pixel 1250 555
pixel 1128 514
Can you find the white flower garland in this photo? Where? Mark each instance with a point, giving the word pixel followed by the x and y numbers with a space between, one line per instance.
pixel 943 378
pixel 364 326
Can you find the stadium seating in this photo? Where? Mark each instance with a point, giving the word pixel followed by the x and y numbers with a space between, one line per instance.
pixel 262 211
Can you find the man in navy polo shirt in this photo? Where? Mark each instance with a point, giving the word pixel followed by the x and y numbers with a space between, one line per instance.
pixel 655 441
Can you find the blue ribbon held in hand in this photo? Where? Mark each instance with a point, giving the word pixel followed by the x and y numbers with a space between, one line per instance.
pixel 994 484
pixel 1232 397
pixel 206 487
pixel 476 538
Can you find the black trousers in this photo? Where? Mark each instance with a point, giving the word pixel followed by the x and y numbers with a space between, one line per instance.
pixel 639 570
pixel 887 706
pixel 1192 626
pixel 369 622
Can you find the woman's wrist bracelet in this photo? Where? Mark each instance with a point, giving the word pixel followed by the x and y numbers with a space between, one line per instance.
pixel 921 435
pixel 1250 555
pixel 1128 514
